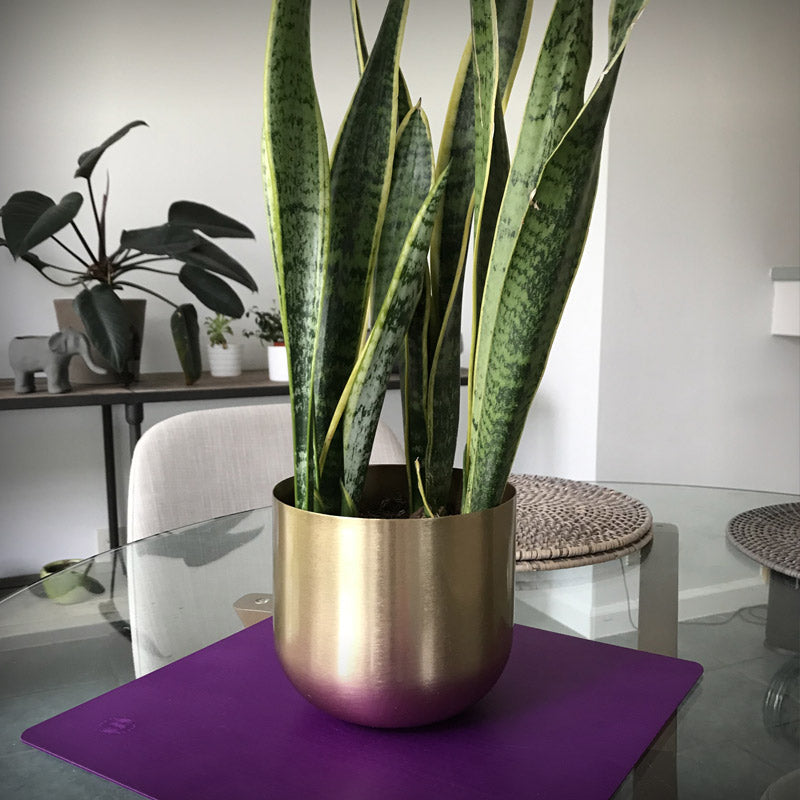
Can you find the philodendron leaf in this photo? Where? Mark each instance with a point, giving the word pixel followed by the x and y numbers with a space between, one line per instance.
pixel 186 336
pixel 161 240
pixel 211 291
pixel 367 385
pixel 29 218
pixel 208 256
pixel 207 220
pixel 107 324
pixel 360 173
pixel 297 190
pixel 517 329
pixel 87 161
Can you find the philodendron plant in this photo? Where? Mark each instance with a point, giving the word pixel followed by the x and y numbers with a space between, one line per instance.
pixel 31 218
pixel 351 238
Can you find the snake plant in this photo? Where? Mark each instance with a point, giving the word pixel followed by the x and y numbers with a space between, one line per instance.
pixel 370 244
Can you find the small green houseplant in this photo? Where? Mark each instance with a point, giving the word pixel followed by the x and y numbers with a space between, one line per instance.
pixel 351 235
pixel 217 328
pixel 30 218
pixel 269 331
pixel 224 357
pixel 269 328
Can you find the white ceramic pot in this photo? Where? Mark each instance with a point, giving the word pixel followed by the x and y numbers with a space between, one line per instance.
pixel 225 362
pixel 277 362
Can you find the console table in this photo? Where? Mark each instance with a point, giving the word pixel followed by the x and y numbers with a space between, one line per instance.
pixel 160 387
pixel 157 387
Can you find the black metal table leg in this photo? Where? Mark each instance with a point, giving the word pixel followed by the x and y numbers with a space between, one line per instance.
pixel 111 477
pixel 134 414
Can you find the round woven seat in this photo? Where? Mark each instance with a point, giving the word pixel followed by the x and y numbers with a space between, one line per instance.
pixel 564 523
pixel 769 535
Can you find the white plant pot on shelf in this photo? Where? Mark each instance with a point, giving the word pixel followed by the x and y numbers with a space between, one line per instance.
pixel 225 362
pixel 277 363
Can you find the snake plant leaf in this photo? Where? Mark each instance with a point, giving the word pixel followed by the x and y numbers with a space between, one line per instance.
pixel 451 238
pixel 362 54
pixel 106 323
pixel 30 218
pixel 486 55
pixel 363 397
pixel 555 97
pixel 160 240
pixel 211 291
pixel 87 161
pixel 297 190
pixel 534 286
pixel 207 220
pixel 360 178
pixel 186 336
pixel 209 256
pixel 412 177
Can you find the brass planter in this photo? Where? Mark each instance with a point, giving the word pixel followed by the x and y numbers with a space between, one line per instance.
pixel 393 622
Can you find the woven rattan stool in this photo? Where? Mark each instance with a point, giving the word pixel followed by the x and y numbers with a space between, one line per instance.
pixel 771 536
pixel 564 523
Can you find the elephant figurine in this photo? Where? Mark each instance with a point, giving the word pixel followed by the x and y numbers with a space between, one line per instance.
pixel 48 354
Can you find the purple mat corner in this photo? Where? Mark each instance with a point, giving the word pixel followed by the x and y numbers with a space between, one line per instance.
pixel 569 718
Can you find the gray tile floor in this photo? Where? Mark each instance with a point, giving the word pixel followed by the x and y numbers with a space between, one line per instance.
pixel 726 708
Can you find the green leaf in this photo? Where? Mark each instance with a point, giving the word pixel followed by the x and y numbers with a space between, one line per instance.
pixel 30 218
pixel 404 103
pixel 360 174
pixel 186 336
pixel 524 298
pixel 208 256
pixel 451 237
pixel 87 161
pixel 367 385
pixel 297 190
pixel 211 291
pixel 107 324
pixel 207 220
pixel 161 240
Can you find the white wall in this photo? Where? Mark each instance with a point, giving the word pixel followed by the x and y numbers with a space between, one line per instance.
pixel 703 199
pixel 74 73
pixel 702 176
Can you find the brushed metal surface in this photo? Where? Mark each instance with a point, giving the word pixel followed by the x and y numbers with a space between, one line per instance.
pixel 393 622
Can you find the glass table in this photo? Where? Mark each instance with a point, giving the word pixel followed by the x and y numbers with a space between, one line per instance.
pixel 689 593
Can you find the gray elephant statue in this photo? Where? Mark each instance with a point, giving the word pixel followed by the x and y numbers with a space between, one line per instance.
pixel 51 355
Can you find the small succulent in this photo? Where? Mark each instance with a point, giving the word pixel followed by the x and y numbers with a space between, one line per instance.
pixel 217 328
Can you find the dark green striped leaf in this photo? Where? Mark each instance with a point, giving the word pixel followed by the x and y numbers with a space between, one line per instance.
pixel 296 185
pixel 367 385
pixel 517 329
pixel 360 173
pixel 211 291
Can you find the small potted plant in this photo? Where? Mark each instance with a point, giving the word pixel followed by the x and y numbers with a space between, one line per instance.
pixel 224 357
pixel 269 331
pixel 102 273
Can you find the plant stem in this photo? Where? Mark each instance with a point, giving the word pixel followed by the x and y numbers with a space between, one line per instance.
pixel 148 291
pixel 70 251
pixel 83 241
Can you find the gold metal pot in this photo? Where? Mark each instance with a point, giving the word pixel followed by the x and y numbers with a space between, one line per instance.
pixel 393 622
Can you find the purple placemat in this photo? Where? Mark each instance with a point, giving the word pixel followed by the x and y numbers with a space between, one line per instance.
pixel 569 718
